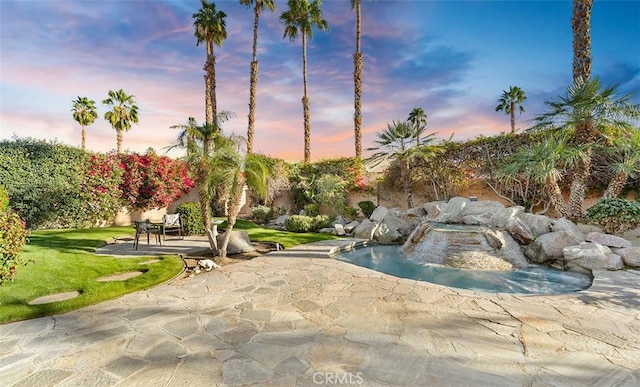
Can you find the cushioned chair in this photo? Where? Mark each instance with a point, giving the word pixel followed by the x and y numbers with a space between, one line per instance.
pixel 144 227
pixel 171 222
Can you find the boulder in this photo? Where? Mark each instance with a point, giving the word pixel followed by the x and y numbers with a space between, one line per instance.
pixel 365 230
pixel 564 224
pixel 340 220
pixel 483 207
pixel 351 226
pixel 538 224
pixel 281 220
pixel 502 218
pixel 389 230
pixel 607 239
pixel 454 210
pixel 416 211
pixel 378 214
pixel 630 255
pixel 238 243
pixel 549 247
pixel 339 229
pixel 477 219
pixel 327 230
pixel 433 209
pixel 592 256
pixel 520 231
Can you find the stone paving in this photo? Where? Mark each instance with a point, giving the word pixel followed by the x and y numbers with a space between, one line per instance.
pixel 285 319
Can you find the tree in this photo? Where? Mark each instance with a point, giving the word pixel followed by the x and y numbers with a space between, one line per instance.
pixel 394 144
pixel 259 5
pixel 627 149
pixel 85 113
pixel 358 62
pixel 508 103
pixel 599 107
pixel 123 111
pixel 544 162
pixel 200 142
pixel 210 28
pixel 418 119
pixel 300 18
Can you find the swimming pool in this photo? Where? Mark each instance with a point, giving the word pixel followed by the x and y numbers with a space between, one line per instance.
pixel 535 279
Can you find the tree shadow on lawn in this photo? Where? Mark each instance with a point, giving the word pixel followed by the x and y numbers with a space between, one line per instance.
pixel 66 243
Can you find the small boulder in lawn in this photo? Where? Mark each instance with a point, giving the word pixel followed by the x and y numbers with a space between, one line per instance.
pixel 238 243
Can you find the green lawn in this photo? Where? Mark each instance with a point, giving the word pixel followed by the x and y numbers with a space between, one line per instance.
pixel 64 261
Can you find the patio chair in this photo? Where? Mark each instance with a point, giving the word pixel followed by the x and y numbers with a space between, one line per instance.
pixel 171 222
pixel 145 227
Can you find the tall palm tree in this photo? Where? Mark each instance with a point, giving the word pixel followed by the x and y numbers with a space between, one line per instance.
pixel 300 18
pixel 123 111
pixel 581 27
pixel 200 142
pixel 259 5
pixel 210 28
pixel 544 163
pixel 85 113
pixel 508 103
pixel 231 170
pixel 418 119
pixel 394 144
pixel 599 107
pixel 358 62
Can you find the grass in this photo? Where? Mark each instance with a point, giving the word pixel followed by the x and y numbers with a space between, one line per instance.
pixel 64 261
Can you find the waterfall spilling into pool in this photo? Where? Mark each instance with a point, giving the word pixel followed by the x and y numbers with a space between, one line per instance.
pixel 532 279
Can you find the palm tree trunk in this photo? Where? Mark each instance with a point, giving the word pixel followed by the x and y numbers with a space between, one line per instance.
pixel 118 140
pixel 555 196
pixel 306 104
pixel 579 187
pixel 254 81
pixel 616 185
pixel 233 215
pixel 212 68
pixel 205 208
pixel 513 117
pixel 208 111
pixel 581 27
pixel 357 80
pixel 83 138
pixel 408 185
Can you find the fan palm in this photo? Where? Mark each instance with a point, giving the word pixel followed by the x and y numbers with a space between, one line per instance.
pixel 628 165
pixel 395 144
pixel 123 111
pixel 85 113
pixel 201 142
pixel 418 119
pixel 509 101
pixel 258 6
pixel 231 170
pixel 358 62
pixel 210 28
pixel 300 18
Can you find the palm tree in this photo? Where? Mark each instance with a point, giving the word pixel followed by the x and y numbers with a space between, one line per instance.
pixel 628 165
pixel 123 111
pixel 418 119
pixel 210 28
pixel 508 103
pixel 258 7
pixel 200 142
pixel 85 113
pixel 358 62
pixel 584 131
pixel 232 169
pixel 300 18
pixel 597 106
pixel 544 162
pixel 394 144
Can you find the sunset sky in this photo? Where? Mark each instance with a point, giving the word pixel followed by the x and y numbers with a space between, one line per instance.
pixel 452 58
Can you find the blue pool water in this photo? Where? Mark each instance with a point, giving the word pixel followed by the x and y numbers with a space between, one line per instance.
pixel 535 279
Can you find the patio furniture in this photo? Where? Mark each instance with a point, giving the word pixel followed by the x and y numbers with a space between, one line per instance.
pixel 146 227
pixel 171 222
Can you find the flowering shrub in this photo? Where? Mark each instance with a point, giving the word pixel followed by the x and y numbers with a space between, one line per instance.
pixel 100 188
pixel 152 181
pixel 13 236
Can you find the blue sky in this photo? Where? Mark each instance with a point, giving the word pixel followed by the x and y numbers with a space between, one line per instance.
pixel 452 58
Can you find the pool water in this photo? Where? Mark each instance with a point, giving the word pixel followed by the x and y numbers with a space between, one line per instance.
pixel 535 279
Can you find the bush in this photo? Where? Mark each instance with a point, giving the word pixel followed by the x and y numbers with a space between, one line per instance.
pixel 312 210
pixel 321 221
pixel 367 207
pixel 262 214
pixel 350 213
pixel 615 215
pixel 13 236
pixel 4 199
pixel 299 223
pixel 191 218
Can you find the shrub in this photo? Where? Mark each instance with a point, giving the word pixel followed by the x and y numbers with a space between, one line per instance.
pixel 13 236
pixel 262 214
pixel 615 215
pixel 299 223
pixel 4 199
pixel 350 213
pixel 191 218
pixel 312 210
pixel 320 221
pixel 100 188
pixel 367 207
pixel 332 190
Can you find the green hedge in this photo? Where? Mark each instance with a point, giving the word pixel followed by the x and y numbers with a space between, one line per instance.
pixel 615 215
pixel 191 218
